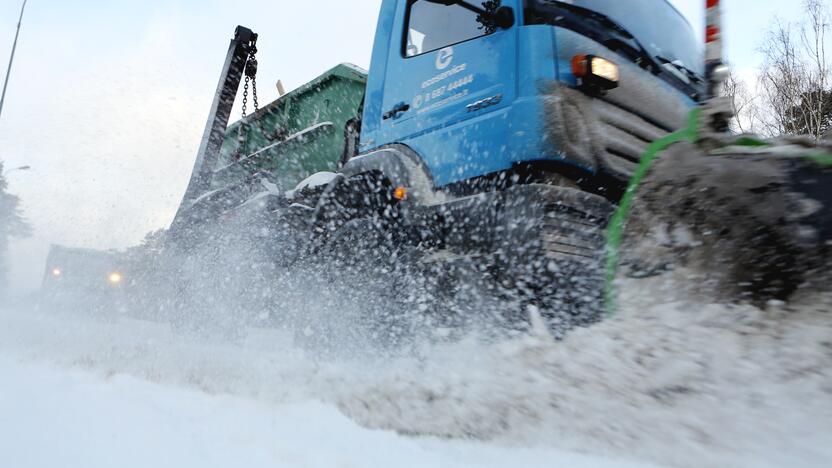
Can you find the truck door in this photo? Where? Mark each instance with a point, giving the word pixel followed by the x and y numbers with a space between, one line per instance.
pixel 446 65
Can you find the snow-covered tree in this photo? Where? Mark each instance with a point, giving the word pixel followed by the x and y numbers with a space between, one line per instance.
pixel 12 224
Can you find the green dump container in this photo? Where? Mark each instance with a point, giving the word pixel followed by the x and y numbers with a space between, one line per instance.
pixel 297 135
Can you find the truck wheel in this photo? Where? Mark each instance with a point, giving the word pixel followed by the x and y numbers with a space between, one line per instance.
pixel 551 255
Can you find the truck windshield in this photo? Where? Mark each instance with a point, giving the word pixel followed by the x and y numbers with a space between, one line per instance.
pixel 655 24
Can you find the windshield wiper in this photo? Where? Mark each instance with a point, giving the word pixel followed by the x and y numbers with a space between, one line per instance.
pixel 682 68
pixel 635 47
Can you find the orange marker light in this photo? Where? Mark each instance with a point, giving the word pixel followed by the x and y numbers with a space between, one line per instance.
pixel 579 65
pixel 400 193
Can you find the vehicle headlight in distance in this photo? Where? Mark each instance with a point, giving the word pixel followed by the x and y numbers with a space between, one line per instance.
pixel 56 272
pixel 115 278
pixel 595 71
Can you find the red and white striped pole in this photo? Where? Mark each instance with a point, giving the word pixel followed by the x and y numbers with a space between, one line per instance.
pixel 715 69
pixel 713 31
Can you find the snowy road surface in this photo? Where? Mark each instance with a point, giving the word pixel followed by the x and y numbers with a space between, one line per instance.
pixel 679 384
pixel 52 417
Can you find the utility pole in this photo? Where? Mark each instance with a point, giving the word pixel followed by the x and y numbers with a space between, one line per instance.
pixel 11 59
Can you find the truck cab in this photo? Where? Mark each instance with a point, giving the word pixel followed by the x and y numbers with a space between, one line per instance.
pixel 468 91
pixel 506 132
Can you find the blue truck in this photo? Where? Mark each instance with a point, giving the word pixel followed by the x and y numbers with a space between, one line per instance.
pixel 497 137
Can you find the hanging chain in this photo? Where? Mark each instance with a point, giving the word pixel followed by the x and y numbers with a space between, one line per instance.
pixel 251 77
pixel 254 94
pixel 245 97
pixel 250 80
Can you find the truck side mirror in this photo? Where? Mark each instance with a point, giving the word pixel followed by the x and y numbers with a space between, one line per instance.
pixel 504 17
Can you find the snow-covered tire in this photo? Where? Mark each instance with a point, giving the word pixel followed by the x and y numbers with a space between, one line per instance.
pixel 551 254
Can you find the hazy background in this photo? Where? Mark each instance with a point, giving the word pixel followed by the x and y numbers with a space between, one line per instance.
pixel 108 99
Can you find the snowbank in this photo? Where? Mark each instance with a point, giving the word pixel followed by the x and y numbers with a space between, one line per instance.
pixel 674 382
pixel 681 383
pixel 55 417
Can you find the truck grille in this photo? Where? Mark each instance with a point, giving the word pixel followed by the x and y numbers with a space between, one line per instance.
pixel 625 136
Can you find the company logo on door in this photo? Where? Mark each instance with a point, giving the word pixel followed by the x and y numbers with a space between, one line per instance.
pixel 444 58
pixel 431 99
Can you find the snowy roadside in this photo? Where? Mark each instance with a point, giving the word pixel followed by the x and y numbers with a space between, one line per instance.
pixel 56 417
pixel 674 382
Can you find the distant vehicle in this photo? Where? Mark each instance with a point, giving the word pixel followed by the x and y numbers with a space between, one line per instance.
pixel 82 274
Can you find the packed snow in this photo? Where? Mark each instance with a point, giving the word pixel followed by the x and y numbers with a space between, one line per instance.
pixel 665 382
pixel 57 417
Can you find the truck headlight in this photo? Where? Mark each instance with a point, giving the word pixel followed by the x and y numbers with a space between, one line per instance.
pixel 595 71
pixel 56 272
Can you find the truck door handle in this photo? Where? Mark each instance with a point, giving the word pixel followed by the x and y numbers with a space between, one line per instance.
pixel 396 110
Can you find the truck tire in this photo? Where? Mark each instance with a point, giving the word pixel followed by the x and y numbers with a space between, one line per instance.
pixel 551 254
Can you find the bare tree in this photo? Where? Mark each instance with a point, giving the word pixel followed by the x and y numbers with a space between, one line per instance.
pixel 743 101
pixel 795 75
pixel 813 38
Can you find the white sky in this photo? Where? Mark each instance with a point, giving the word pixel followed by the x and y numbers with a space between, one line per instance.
pixel 108 98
